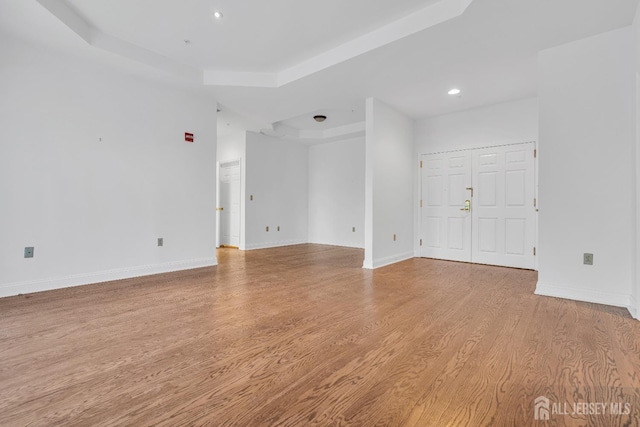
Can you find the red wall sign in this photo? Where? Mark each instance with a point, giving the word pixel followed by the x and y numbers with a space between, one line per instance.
pixel 188 137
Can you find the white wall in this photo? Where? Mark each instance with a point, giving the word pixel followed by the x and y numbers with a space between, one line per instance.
pixel 277 178
pixel 94 209
pixel 336 193
pixel 499 124
pixel 389 185
pixel 635 305
pixel 232 147
pixel 636 30
pixel 587 168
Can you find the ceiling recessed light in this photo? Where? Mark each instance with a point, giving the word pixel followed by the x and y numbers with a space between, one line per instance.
pixel 454 92
pixel 319 118
pixel 217 14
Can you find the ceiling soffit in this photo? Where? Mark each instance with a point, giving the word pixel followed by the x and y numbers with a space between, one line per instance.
pixel 431 15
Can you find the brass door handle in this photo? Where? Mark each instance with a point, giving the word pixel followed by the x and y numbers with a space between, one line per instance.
pixel 470 189
pixel 467 206
pixel 219 209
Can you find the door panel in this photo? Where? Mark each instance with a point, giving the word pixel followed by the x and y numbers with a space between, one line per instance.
pixel 487 233
pixel 457 234
pixel 456 188
pixel 446 231
pixel 503 218
pixel 515 236
pixel 433 231
pixel 488 182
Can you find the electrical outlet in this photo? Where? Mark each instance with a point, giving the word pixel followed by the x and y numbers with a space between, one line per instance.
pixel 394 237
pixel 278 228
pixel 251 197
pixel 588 259
pixel 353 229
pixel 160 241
pixel 267 228
pixel 28 252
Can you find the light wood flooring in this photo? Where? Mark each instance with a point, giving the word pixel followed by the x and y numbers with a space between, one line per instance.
pixel 302 336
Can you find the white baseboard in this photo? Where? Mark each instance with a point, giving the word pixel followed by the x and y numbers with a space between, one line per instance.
pixel 26 287
pixel 382 262
pixel 633 308
pixel 341 243
pixel 585 295
pixel 267 245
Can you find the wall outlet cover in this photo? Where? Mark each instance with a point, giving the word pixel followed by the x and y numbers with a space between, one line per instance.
pixel 28 252
pixel 160 241
pixel 588 259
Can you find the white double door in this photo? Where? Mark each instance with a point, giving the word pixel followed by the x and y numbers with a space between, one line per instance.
pixel 479 206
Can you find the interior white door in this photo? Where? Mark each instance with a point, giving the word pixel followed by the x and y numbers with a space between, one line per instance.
pixel 446 225
pixel 230 204
pixel 503 212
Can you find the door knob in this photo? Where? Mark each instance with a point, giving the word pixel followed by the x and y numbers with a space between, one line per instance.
pixel 467 206
pixel 219 209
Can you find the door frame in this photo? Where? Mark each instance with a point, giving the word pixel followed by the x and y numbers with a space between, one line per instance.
pixel 418 218
pixel 220 165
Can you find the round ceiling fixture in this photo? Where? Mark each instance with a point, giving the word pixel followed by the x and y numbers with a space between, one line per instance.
pixel 454 91
pixel 319 118
pixel 217 14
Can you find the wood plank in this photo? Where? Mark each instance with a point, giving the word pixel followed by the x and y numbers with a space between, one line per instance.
pixel 302 335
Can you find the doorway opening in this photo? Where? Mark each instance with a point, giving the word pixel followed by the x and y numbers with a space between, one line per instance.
pixel 228 210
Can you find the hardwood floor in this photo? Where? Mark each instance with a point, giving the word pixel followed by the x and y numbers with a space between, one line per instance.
pixel 302 336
